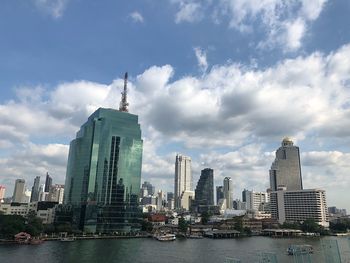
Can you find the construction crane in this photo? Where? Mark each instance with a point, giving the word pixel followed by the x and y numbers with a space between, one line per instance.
pixel 123 106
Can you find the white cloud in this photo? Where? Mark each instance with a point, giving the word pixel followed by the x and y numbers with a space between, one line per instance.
pixel 220 118
pixel 201 56
pixel 137 17
pixel 188 12
pixel 54 8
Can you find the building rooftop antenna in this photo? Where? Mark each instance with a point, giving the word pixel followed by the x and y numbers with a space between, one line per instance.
pixel 123 106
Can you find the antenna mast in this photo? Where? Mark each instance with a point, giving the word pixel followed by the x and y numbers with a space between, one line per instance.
pixel 123 106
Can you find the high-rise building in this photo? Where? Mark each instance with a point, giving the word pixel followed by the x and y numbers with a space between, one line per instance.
pixel 35 190
pixel 48 183
pixel 2 193
pixel 56 193
pixel 149 187
pixel 104 171
pixel 228 192
pixel 254 200
pixel 160 199
pixel 286 169
pixel 219 194
pixel 183 178
pixel 204 193
pixel 300 205
pixel 18 192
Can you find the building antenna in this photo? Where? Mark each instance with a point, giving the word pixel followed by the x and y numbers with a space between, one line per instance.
pixel 123 106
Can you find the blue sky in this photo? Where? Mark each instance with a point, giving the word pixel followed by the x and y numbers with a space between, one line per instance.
pixel 222 81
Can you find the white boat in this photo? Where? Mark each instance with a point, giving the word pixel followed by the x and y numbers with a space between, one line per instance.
pixel 166 237
pixel 300 249
pixel 67 239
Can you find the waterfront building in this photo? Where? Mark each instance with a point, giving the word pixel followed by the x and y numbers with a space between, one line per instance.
pixel 299 205
pixel 183 179
pixel 228 192
pixel 204 192
pixel 35 190
pixel 18 192
pixel 104 171
pixel 219 193
pixel 48 183
pixel 286 169
pixel 2 193
pixel 254 200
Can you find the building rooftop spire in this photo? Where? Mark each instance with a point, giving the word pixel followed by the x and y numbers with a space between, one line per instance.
pixel 123 106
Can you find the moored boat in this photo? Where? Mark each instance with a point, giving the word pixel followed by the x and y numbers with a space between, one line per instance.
pixel 300 249
pixel 166 237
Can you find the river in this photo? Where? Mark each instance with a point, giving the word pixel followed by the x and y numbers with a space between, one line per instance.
pixel 149 250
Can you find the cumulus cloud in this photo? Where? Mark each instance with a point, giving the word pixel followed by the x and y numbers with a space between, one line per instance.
pixel 54 8
pixel 284 23
pixel 230 118
pixel 137 17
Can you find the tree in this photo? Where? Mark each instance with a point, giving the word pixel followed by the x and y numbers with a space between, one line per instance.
pixel 182 225
pixel 11 225
pixel 205 218
pixel 34 225
pixel 309 225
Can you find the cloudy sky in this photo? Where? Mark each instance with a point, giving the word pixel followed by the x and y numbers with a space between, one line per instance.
pixel 222 81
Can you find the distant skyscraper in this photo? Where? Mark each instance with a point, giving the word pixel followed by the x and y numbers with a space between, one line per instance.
pixel 150 188
pixel 35 190
pixel 104 172
pixel 48 182
pixel 254 200
pixel 2 193
pixel 228 192
pixel 183 178
pixel 219 193
pixel 18 192
pixel 286 170
pixel 56 193
pixel 204 194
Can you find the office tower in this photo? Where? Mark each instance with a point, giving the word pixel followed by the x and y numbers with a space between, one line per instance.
pixel 286 170
pixel 35 190
pixel 2 193
pixel 18 192
pixel 183 178
pixel 228 192
pixel 170 200
pixel 299 205
pixel 254 200
pixel 160 200
pixel 204 194
pixel 149 187
pixel 56 193
pixel 26 196
pixel 48 183
pixel 104 171
pixel 219 194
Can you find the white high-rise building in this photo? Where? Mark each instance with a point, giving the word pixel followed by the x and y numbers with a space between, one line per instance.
pixel 300 205
pixel 228 192
pixel 286 170
pixel 255 200
pixel 56 193
pixel 183 178
pixel 18 192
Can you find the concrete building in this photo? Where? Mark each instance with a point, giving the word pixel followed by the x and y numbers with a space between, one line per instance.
pixel 186 199
pixel 183 178
pixel 300 205
pixel 147 189
pixel 56 193
pixel 18 192
pixel 2 193
pixel 228 192
pixel 160 200
pixel 35 190
pixel 254 200
pixel 286 169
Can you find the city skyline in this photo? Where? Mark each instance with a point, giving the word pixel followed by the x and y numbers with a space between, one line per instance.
pixel 237 84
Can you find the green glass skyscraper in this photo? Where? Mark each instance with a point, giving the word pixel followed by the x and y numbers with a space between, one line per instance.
pixel 104 172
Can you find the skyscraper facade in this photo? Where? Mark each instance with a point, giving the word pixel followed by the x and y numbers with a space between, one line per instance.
pixel 219 193
pixel 204 194
pixel 286 169
pixel 104 172
pixel 228 192
pixel 2 193
pixel 183 178
pixel 48 183
pixel 18 192
pixel 35 190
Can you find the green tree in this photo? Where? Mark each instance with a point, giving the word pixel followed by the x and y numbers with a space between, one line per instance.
pixel 238 225
pixel 182 225
pixel 11 225
pixel 310 225
pixel 205 218
pixel 34 225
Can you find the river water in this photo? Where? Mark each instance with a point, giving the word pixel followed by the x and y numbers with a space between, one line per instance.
pixel 149 250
